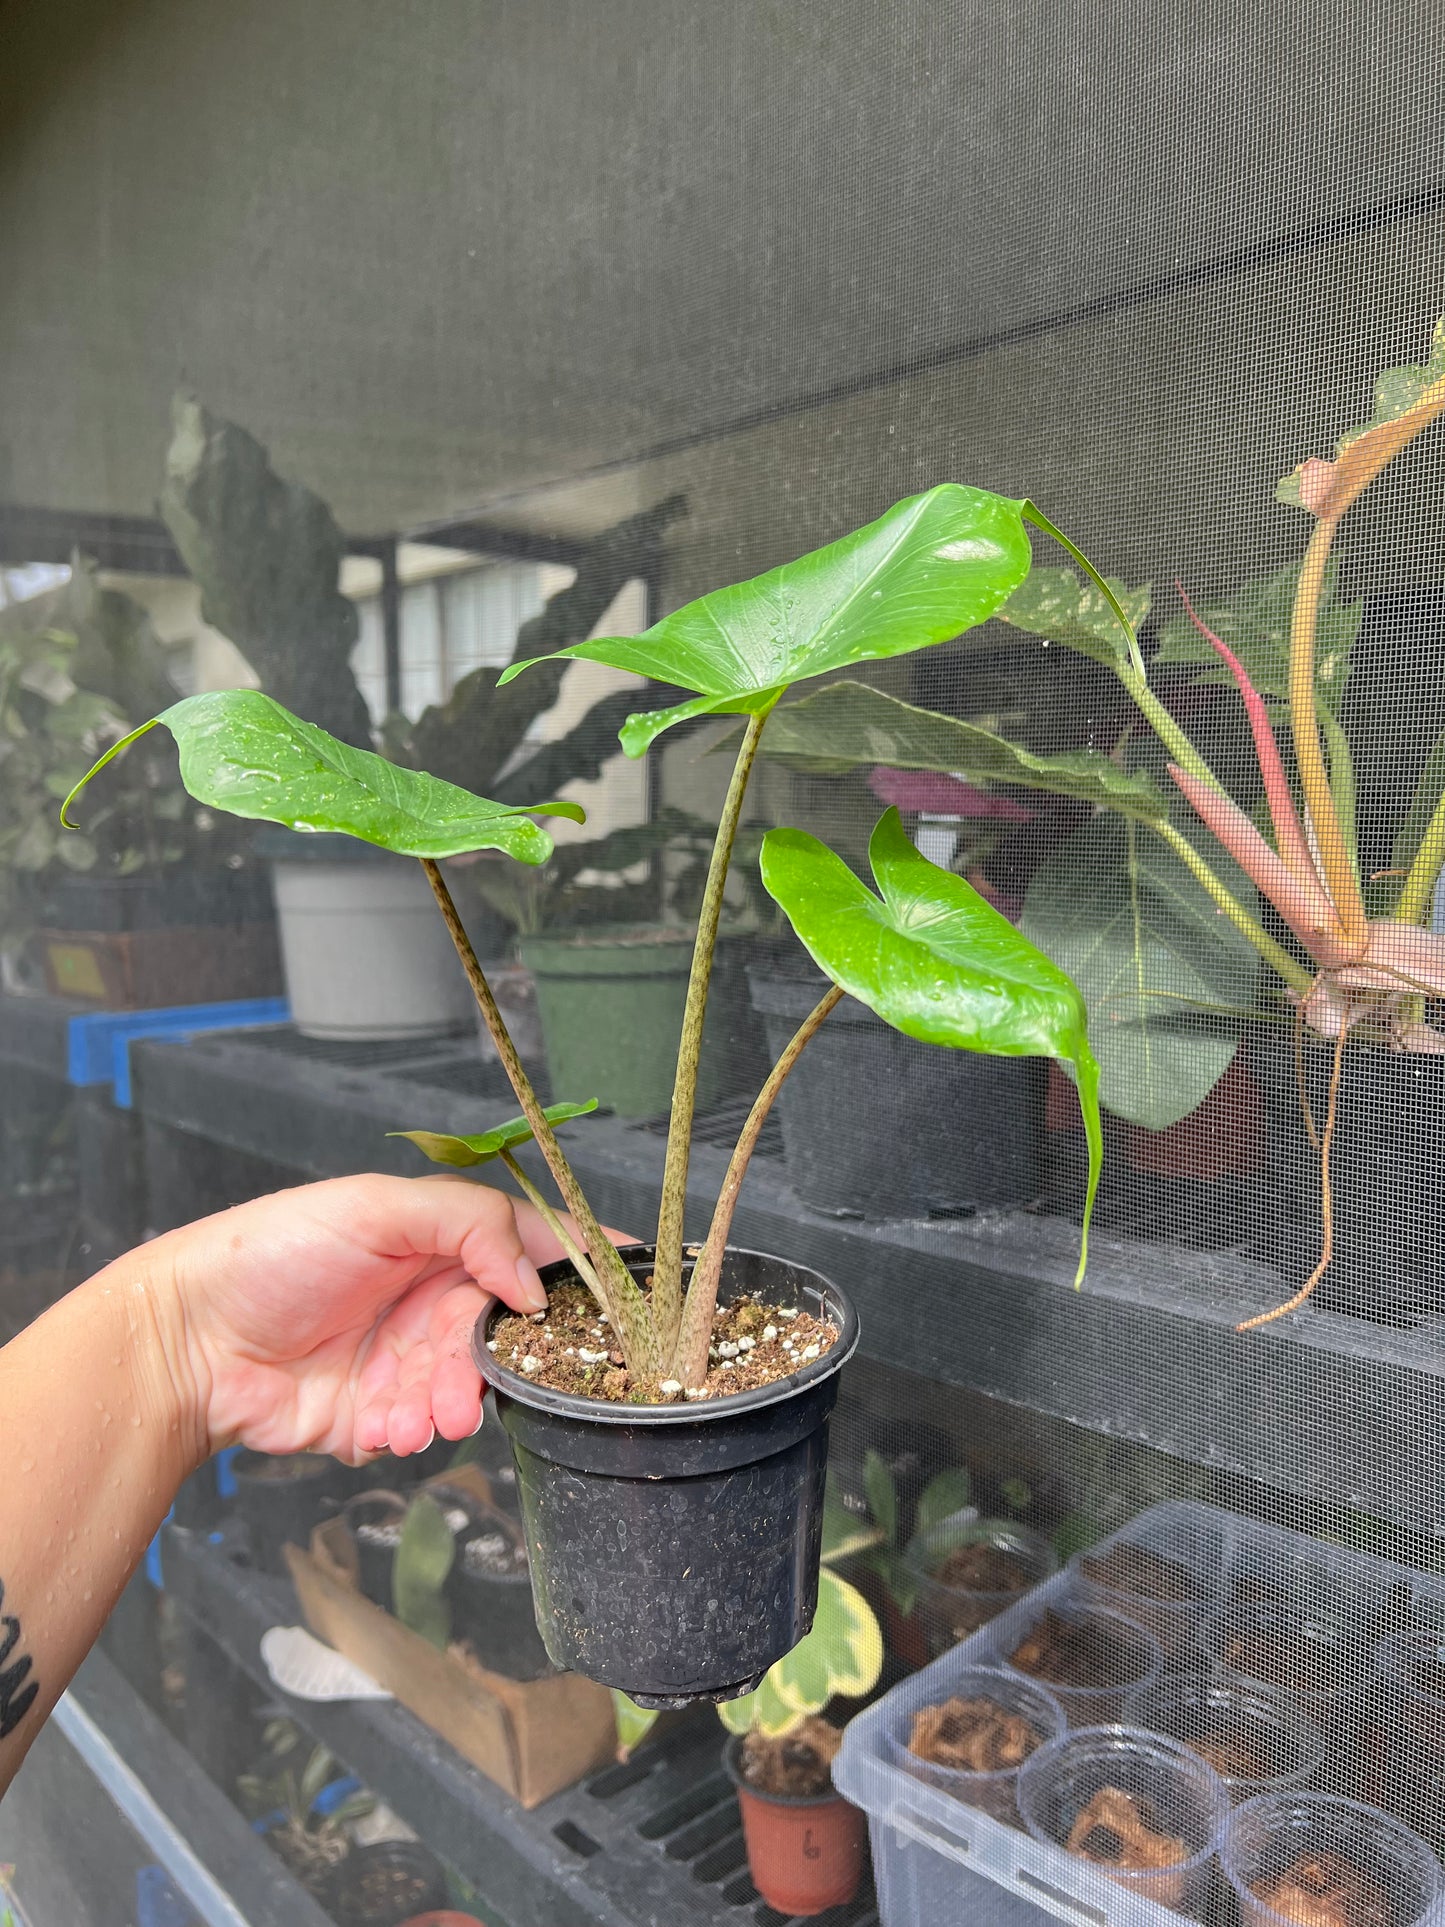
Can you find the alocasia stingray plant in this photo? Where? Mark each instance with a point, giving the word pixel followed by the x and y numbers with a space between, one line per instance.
pixel 1354 973
pixel 922 948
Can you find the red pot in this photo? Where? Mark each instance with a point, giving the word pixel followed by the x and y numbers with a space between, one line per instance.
pixel 446 1918
pixel 906 1637
pixel 805 1856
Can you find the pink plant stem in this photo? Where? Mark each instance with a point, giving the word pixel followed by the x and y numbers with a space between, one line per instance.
pixel 1289 836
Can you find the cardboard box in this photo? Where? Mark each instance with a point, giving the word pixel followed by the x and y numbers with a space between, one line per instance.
pixel 532 1737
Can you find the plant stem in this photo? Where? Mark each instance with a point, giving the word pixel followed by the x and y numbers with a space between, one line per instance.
pixel 581 1263
pixel 1169 733
pixel 626 1307
pixel 690 1359
pixel 1415 899
pixel 1339 871
pixel 1274 954
pixel 667 1275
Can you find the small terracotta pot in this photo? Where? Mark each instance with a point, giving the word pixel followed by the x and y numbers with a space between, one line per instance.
pixel 805 1856
pixel 906 1640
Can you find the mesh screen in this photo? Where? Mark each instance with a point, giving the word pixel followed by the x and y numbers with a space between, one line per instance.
pixel 622 302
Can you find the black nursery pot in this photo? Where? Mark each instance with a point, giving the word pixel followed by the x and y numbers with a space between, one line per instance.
pixel 493 1612
pixel 1389 1225
pixel 386 1884
pixel 374 1520
pixel 281 1499
pixel 968 1129
pixel 674 1548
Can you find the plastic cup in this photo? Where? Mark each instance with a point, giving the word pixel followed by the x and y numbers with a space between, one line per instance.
pixel 994 1793
pixel 1269 1835
pixel 949 1612
pixel 1183 1798
pixel 1287 1744
pixel 1137 1652
pixel 1403 1727
pixel 1170 1583
pixel 1311 1659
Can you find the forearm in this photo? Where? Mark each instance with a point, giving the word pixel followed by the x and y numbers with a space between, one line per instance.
pixel 98 1437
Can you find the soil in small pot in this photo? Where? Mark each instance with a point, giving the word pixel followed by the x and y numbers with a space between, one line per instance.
pixel 1067 1652
pixel 375 1521
pixel 571 1348
pixel 1232 1758
pixel 1292 1661
pixel 1137 1570
pixel 1325 1889
pixel 972 1736
pixel 795 1766
pixel 984 1568
pixel 386 1884
pixel 1121 1830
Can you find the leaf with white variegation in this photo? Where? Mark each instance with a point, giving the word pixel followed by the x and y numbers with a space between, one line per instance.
pixel 242 752
pixel 843 1654
pixel 928 955
pixel 930 568
pixel 1055 604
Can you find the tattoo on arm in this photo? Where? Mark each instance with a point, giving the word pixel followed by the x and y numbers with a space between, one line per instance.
pixel 17 1689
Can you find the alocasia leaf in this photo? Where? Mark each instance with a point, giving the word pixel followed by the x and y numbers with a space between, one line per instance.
pixel 1055 604
pixel 934 565
pixel 947 1492
pixel 1144 942
pixel 442 1148
pixel 1254 620
pixel 842 1654
pixel 932 958
pixel 242 752
pixel 424 1556
pixel 849 723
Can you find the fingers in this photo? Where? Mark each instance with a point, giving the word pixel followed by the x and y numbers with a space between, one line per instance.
pixel 420 1380
pixel 466 1221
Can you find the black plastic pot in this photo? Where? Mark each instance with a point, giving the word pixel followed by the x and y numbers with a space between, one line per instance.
pixel 674 1548
pixel 962 1130
pixel 1389 1223
pixel 386 1885
pixel 375 1556
pixel 493 1612
pixel 281 1499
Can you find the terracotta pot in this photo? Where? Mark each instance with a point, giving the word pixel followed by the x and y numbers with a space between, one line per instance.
pixel 906 1640
pixel 805 1856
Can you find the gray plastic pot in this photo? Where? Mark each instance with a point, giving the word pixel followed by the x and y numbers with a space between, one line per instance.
pixel 365 952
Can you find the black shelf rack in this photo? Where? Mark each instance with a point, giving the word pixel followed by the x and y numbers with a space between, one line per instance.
pixel 653 1843
pixel 1146 1350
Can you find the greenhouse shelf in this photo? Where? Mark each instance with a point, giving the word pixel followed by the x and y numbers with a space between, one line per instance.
pixel 653 1843
pixel 35 1032
pixel 1145 1351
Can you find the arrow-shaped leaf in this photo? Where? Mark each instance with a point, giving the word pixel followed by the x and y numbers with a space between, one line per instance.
pixel 932 958
pixel 933 566
pixel 848 723
pixel 243 753
pixel 442 1148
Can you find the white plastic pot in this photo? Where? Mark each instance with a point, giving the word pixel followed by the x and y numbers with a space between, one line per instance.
pixel 365 952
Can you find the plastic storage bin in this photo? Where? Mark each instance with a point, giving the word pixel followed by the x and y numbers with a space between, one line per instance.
pixel 941 1861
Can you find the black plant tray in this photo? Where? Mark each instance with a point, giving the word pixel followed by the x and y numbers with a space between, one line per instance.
pixel 655 1843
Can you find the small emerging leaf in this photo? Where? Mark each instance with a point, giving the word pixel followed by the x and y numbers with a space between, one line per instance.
pixel 1406 400
pixel 442 1148
pixel 849 724
pixel 931 567
pixel 929 956
pixel 243 753
pixel 634 1723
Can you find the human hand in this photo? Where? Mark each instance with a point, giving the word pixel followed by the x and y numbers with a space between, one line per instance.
pixel 338 1317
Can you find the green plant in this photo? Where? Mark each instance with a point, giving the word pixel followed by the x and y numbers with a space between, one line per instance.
pixel 424 1557
pixel 78 665
pixel 922 948
pixel 284 1792
pixel 947 1492
pixel 1158 918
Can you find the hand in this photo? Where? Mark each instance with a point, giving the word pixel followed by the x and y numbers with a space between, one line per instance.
pixel 338 1317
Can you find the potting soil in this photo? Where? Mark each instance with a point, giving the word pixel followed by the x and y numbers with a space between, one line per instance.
pixel 796 1765
pixel 972 1736
pixel 1325 1890
pixel 1120 1829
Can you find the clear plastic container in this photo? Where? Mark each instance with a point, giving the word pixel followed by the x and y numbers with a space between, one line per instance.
pixel 1233 1726
pixel 1316 1835
pixel 1098 1702
pixel 1170 1579
pixel 949 1611
pixel 1402 1728
pixel 1313 1660
pixel 991 1792
pixel 1167 1784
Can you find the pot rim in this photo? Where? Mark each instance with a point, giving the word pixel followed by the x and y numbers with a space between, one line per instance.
pixel 599 1411
pixel 732 1751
